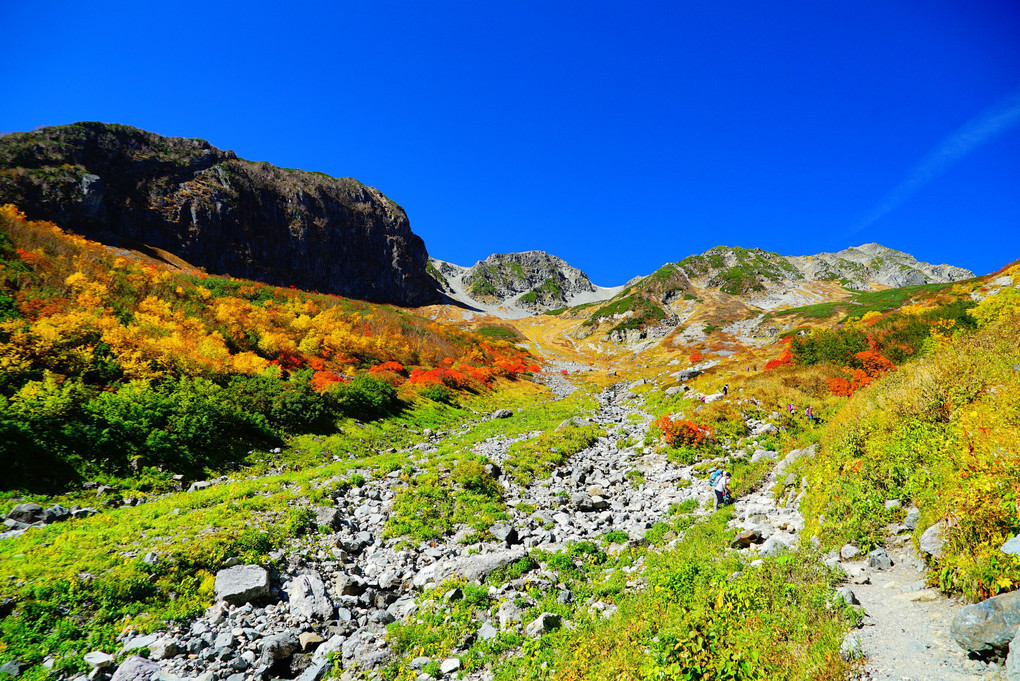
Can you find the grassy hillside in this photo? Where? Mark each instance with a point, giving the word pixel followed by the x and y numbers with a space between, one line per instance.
pixel 111 367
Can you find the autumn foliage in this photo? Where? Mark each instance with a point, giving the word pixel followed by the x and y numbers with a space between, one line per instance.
pixel 129 361
pixel 682 432
pixel 872 365
pixel 785 358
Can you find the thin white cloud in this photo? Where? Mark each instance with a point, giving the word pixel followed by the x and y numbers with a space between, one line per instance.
pixel 974 133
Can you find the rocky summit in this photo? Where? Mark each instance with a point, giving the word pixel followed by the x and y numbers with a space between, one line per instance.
pixel 126 187
pixel 862 267
pixel 532 281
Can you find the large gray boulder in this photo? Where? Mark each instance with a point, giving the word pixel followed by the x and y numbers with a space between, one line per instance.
pixel 279 647
pixel 545 622
pixel 1013 660
pixel 933 540
pixel 26 513
pixel 136 668
pixel 471 568
pixel 242 584
pixel 985 629
pixel 308 597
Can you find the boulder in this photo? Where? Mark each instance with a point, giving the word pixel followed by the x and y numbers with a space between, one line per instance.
pixel 502 414
pixel 849 552
pixel 328 517
pixel 315 671
pixel 986 629
pixel 1012 546
pixel 97 659
pixel 471 568
pixel 933 540
pixel 136 668
pixel 773 546
pixel 26 513
pixel 1013 660
pixel 242 584
pixel 349 585
pixel 913 516
pixel 202 484
pixel 879 560
pixel 308 598
pixel 504 533
pixel 279 647
pixel 487 632
pixel 163 649
pixel 13 668
pixel 745 538
pixel 139 642
pixel 449 665
pixel 545 622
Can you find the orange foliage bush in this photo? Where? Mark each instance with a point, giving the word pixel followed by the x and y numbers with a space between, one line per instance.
pixel 695 358
pixel 873 365
pixel 682 432
pixel 783 359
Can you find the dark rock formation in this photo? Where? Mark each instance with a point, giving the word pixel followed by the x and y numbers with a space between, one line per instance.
pixel 127 187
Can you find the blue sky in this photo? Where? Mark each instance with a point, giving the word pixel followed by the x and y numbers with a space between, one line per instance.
pixel 616 135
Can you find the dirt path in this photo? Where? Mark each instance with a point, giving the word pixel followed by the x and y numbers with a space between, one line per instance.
pixel 905 635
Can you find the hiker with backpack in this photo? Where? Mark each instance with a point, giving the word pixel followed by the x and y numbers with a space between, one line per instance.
pixel 720 481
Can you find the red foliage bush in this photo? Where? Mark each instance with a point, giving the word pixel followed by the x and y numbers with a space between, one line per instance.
pixel 783 359
pixel 683 432
pixel 873 365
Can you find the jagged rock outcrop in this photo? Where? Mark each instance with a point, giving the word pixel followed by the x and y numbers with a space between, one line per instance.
pixel 532 280
pixel 861 266
pixel 126 187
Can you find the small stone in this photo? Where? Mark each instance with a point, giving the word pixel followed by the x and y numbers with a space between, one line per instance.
pixel 847 594
pixel 890 504
pixel 309 640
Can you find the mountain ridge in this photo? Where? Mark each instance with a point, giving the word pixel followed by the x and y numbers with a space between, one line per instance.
pixel 127 187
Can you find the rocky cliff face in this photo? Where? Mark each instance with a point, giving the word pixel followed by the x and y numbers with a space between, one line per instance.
pixel 127 187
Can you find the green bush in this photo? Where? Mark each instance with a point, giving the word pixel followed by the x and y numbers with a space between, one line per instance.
pixel 365 398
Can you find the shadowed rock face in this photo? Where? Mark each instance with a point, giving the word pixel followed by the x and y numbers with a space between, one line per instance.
pixel 127 187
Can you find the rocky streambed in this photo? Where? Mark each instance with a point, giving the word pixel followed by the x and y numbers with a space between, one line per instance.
pixel 333 595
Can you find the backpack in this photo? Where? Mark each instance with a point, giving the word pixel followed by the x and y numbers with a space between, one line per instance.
pixel 714 475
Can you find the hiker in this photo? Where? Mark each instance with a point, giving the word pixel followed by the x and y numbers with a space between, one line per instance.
pixel 722 489
pixel 810 415
pixel 790 409
pixel 726 390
